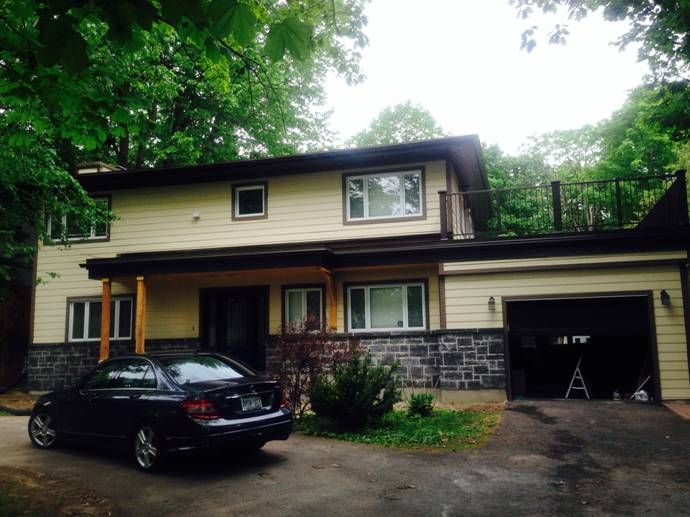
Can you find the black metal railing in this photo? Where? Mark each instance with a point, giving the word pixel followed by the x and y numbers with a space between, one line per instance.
pixel 589 206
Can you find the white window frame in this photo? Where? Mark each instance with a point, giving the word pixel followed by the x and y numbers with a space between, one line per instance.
pixel 236 200
pixel 92 231
pixel 87 308
pixel 304 291
pixel 367 307
pixel 401 175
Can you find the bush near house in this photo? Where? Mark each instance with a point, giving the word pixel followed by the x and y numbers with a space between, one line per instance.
pixel 420 404
pixel 355 393
pixel 301 353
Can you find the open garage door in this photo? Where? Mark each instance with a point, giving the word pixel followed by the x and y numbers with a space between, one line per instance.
pixel 613 335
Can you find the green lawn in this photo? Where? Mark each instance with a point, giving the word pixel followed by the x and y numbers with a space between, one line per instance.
pixel 444 429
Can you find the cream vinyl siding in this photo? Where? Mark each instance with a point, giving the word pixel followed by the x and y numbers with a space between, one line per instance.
pixel 301 208
pixel 466 298
pixel 173 301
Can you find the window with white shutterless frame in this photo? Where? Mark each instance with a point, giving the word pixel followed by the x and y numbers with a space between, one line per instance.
pixel 84 318
pixel 386 307
pixel 384 195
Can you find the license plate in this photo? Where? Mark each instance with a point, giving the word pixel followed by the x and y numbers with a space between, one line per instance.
pixel 251 403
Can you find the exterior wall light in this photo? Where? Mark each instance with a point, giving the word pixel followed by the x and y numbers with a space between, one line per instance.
pixel 665 298
pixel 492 303
pixel 196 215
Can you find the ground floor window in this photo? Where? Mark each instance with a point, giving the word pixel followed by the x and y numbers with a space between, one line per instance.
pixel 85 319
pixel 386 307
pixel 303 305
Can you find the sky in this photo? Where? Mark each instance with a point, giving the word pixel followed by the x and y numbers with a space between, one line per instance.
pixel 461 60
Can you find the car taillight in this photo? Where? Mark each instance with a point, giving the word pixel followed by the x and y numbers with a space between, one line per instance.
pixel 283 399
pixel 201 409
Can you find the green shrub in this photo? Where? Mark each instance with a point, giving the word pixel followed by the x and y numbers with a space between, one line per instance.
pixel 356 393
pixel 421 404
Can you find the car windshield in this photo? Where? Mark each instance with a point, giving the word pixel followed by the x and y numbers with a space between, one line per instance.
pixel 203 368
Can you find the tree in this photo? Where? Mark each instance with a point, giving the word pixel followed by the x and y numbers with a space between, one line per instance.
pixel 660 27
pixel 404 122
pixel 143 83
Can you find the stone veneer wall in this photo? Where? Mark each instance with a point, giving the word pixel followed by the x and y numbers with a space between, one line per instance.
pixel 455 360
pixel 60 365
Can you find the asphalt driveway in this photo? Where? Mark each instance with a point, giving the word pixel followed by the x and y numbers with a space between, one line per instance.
pixel 546 458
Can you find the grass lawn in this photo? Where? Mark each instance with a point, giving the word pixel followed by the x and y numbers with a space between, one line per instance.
pixel 445 429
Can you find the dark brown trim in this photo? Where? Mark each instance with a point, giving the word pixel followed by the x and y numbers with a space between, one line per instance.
pixel 407 168
pixel 684 288
pixel 48 241
pixel 286 287
pixel 653 344
pixel 506 349
pixel 648 295
pixel 357 283
pixel 409 250
pixel 449 183
pixel 265 289
pixel 88 297
pixel 453 148
pixel 263 184
pixel 564 267
pixel 442 302
pixel 34 284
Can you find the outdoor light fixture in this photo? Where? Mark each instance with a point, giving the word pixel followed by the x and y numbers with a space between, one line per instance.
pixel 665 298
pixel 492 303
pixel 196 215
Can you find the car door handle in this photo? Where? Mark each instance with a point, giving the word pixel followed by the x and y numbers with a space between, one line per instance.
pixel 135 396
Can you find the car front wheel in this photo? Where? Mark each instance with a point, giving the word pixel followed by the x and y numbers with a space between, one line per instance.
pixel 148 450
pixel 42 431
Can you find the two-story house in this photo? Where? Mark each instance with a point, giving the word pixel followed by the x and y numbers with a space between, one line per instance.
pixel 479 293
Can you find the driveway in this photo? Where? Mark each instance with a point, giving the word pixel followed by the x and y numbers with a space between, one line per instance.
pixel 546 458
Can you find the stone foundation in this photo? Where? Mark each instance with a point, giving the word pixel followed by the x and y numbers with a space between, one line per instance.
pixel 60 365
pixel 449 360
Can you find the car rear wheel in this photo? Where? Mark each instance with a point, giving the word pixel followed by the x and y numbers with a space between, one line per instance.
pixel 148 450
pixel 42 431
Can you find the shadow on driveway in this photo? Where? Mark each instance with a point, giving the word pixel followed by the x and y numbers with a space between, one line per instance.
pixel 546 458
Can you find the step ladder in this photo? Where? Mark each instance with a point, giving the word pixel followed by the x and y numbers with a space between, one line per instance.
pixel 577 382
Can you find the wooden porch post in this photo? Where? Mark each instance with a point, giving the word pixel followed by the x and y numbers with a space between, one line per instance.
pixel 139 332
pixel 105 321
pixel 332 297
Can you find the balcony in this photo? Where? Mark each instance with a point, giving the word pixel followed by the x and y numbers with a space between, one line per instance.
pixel 566 208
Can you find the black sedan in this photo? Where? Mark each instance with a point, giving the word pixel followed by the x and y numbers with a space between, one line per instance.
pixel 156 405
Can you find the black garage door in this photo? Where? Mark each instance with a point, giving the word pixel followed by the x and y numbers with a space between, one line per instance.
pixel 612 335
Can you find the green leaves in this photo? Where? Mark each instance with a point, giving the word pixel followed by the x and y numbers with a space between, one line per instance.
pixel 62 44
pixel 231 17
pixel 289 35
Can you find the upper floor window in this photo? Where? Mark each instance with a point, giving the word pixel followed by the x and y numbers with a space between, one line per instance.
pixel 249 201
pixel 66 227
pixel 384 195
pixel 386 307
pixel 85 319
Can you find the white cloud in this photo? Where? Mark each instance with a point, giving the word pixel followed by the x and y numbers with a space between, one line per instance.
pixel 461 59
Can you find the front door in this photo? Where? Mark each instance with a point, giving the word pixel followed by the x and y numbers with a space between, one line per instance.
pixel 234 321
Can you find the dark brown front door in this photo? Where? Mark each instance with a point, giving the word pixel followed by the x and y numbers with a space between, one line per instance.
pixel 234 322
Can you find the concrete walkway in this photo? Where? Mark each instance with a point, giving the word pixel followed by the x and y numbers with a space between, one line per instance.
pixel 547 458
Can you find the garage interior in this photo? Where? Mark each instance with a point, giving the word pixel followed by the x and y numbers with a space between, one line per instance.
pixel 613 336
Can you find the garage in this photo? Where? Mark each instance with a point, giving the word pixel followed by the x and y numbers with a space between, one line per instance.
pixel 610 337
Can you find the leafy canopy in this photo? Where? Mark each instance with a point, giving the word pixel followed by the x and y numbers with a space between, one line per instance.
pixel 660 27
pixel 404 122
pixel 141 83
